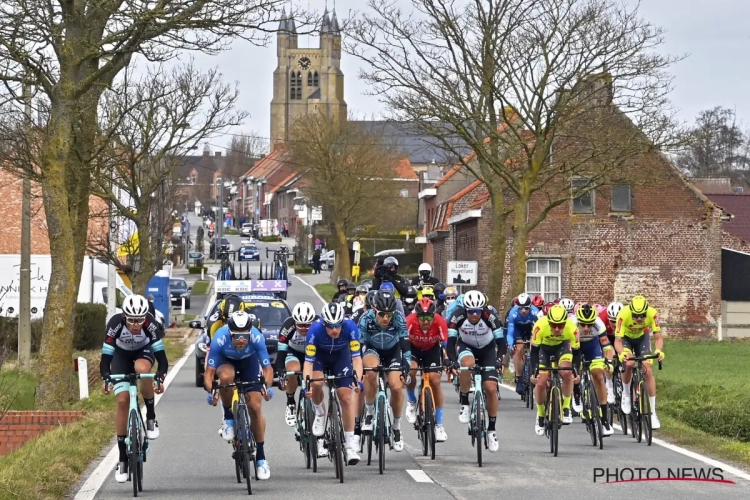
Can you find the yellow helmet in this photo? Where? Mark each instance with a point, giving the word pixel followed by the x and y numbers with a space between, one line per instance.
pixel 230 304
pixel 586 315
pixel 427 291
pixel 557 314
pixel 639 305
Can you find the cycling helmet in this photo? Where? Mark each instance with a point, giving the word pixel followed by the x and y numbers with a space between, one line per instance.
pixel 370 297
pixel 362 289
pixel 450 293
pixel 135 306
pixel 638 305
pixel 428 291
pixel 439 290
pixel 351 286
pixel 304 313
pixel 599 308
pixel 367 284
pixel 411 295
pixel 515 301
pixel 333 313
pixel 547 307
pixel 586 315
pixel 474 299
pixel 613 310
pixel 524 300
pixel 391 262
pixel 254 320
pixel 537 301
pixel 424 307
pixel 384 301
pixel 230 304
pixel 239 322
pixel 557 314
pixel 341 282
pixel 387 286
pixel 568 304
pixel 425 270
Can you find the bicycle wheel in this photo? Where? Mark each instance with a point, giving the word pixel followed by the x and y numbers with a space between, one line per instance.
pixel 587 415
pixel 596 422
pixel 237 455
pixel 338 451
pixel 646 414
pixel 635 416
pixel 555 419
pixel 381 430
pixel 422 423
pixel 478 424
pixel 134 451
pixel 243 434
pixel 429 421
pixel 617 386
pixel 311 442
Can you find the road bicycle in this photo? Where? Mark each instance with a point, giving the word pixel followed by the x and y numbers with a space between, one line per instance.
pixel 590 414
pixel 136 440
pixel 425 424
pixel 478 417
pixel 528 388
pixel 553 403
pixel 308 443
pixel 382 432
pixel 640 410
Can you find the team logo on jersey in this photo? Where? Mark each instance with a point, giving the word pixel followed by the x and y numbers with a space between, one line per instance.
pixel 310 350
pixel 354 346
pixel 214 316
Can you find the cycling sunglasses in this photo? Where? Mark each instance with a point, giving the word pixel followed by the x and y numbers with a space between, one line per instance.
pixel 425 317
pixel 136 321
pixel 385 314
pixel 638 316
pixel 556 325
pixel 303 326
pixel 334 326
pixel 240 335
pixel 526 308
pixel 474 311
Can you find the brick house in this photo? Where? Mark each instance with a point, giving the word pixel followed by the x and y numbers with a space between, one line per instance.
pixel 659 236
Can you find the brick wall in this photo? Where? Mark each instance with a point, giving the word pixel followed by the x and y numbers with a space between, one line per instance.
pixel 18 427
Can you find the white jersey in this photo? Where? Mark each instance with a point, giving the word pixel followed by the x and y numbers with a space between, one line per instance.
pixel 478 335
pixel 598 329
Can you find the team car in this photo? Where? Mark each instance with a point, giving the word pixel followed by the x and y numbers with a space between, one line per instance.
pixel 248 251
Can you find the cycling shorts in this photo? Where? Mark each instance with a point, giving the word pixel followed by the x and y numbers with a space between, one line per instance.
pixel 428 358
pixel 640 346
pixel 338 364
pixel 123 363
pixel 389 358
pixel 560 352
pixel 249 370
pixel 592 351
pixel 484 356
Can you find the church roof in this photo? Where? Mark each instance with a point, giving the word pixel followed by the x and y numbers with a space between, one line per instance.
pixel 335 23
pixel 325 26
pixel 282 23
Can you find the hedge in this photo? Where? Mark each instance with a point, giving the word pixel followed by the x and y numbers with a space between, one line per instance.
pixel 89 324
pixel 302 269
pixel 270 239
pixel 197 269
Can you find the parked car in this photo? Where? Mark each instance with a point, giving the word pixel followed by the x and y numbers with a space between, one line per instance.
pixel 327 260
pixel 178 288
pixel 246 229
pixel 248 251
pixel 224 246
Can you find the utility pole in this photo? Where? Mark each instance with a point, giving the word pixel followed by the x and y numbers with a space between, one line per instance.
pixel 24 319
pixel 220 218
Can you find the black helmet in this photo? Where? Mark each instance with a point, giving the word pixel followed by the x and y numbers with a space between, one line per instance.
pixel 384 301
pixel 439 289
pixel 362 289
pixel 391 262
pixel 231 303
pixel 351 286
pixel 370 298
pixel 411 292
pixel 341 282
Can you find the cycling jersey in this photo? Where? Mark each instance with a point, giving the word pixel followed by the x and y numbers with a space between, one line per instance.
pixel 605 319
pixel 377 337
pixel 598 330
pixel 518 321
pixel 291 343
pixel 120 337
pixel 626 326
pixel 423 340
pixel 542 334
pixel 356 315
pixel 319 344
pixel 223 351
pixel 488 328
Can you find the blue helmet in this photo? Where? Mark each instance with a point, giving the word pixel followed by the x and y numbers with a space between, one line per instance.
pixel 386 286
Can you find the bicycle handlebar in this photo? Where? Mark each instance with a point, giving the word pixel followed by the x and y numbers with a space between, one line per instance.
pixel 239 384
pixel 641 359
pixel 131 377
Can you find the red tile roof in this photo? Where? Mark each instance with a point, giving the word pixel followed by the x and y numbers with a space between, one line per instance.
pixel 283 182
pixel 739 206
pixel 404 169
pixel 445 209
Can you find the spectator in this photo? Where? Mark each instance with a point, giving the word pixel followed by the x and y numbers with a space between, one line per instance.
pixel 151 306
pixel 316 261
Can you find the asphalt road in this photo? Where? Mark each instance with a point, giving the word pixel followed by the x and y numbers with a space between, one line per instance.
pixel 190 461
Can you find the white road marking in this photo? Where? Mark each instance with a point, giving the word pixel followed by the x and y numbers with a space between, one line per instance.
pixel 312 288
pixel 419 476
pixel 682 451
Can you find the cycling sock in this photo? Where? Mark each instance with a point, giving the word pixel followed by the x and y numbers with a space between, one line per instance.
pixel 464 399
pixel 290 399
pixel 228 415
pixel 539 410
pixel 123 449
pixel 439 416
pixel 608 382
pixel 566 402
pixel 652 400
pixel 626 389
pixel 396 423
pixel 150 413
pixel 319 409
pixel 348 438
pixel 370 409
pixel 260 453
pixel 411 395
pixel 491 424
pixel 603 413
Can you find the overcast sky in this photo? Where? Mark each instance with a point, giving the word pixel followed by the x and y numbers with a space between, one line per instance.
pixel 715 34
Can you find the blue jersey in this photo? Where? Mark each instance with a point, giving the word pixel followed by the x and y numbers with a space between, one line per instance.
pixel 381 338
pixel 517 320
pixel 319 343
pixel 223 351
pixel 459 302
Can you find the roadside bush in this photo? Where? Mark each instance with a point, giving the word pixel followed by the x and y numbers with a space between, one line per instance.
pixel 197 269
pixel 270 239
pixel 9 334
pixel 302 269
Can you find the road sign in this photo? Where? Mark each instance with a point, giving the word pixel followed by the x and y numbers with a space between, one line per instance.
pixel 462 272
pixel 195 255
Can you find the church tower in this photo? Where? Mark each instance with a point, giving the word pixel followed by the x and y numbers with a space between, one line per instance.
pixel 306 80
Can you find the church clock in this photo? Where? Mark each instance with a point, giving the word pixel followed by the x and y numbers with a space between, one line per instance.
pixel 304 63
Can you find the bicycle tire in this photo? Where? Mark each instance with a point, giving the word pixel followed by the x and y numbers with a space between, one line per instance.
pixel 243 430
pixel 134 450
pixel 381 430
pixel 646 416
pixel 597 423
pixel 588 413
pixel 555 420
pixel 422 423
pixel 338 450
pixel 635 414
pixel 141 455
pixel 237 462
pixel 477 425
pixel 429 410
pixel 617 386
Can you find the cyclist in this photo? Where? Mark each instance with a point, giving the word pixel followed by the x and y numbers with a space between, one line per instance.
pixel 428 333
pixel 592 335
pixel 292 353
pixel 538 302
pixel 383 332
pixel 387 286
pixel 333 344
pixel 631 337
pixel 226 307
pixel 410 299
pixel 341 285
pixel 240 346
pixel 132 343
pixel 554 335
pixel 608 315
pixel 569 306
pixel 439 289
pixel 520 320
pixel 475 334
pixel 450 296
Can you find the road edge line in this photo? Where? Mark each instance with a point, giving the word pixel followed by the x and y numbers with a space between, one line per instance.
pixel 419 476
pixel 315 291
pixel 682 451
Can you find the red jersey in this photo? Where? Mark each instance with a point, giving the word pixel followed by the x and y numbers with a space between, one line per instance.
pixel 437 333
pixel 605 319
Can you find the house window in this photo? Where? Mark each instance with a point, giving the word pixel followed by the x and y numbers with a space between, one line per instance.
pixel 584 203
pixel 621 201
pixel 404 193
pixel 543 277
pixel 312 79
pixel 295 88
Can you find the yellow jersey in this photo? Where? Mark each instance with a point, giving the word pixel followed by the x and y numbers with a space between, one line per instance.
pixel 626 326
pixel 542 334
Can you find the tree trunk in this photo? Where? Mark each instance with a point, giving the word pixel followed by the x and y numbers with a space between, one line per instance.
pixel 141 278
pixel 497 248
pixel 343 263
pixel 518 250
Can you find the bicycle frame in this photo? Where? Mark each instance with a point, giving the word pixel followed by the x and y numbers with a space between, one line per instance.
pixel 331 434
pixel 425 424
pixel 478 405
pixel 553 404
pixel 640 413
pixel 381 401
pixel 590 414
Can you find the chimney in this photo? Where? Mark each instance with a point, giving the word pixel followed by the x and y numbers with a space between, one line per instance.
pixel 217 154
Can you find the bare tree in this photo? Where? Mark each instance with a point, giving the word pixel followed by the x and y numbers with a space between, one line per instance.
pixel 512 79
pixel 347 171
pixel 146 128
pixel 72 51
pixel 242 151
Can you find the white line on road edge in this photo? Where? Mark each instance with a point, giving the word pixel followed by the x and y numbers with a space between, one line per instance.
pixel 419 476
pixel 696 456
pixel 315 291
pixel 104 469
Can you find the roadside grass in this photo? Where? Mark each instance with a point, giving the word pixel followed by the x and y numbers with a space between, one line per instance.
pixel 18 387
pixel 326 290
pixel 49 465
pixel 200 287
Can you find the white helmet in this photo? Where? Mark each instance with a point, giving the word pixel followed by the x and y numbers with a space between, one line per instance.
pixel 568 304
pixel 524 300
pixel 240 321
pixel 613 310
pixel 333 313
pixel 135 306
pixel 474 299
pixel 303 312
pixel 425 270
